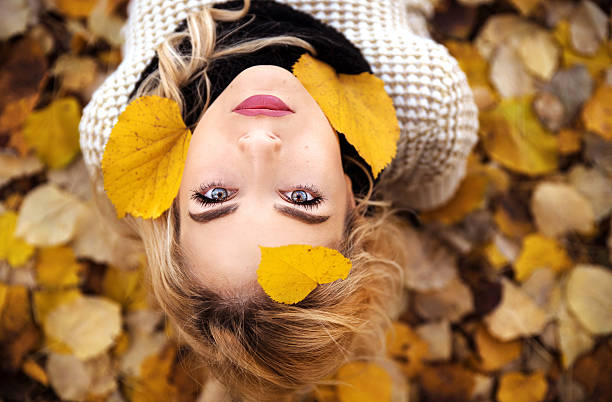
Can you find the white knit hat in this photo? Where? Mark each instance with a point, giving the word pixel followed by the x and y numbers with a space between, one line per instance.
pixel 435 109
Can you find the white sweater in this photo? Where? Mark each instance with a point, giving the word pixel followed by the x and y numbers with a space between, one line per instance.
pixel 434 105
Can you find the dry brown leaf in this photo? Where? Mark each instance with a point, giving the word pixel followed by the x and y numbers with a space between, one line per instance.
pixel 18 334
pixel 86 325
pixel 48 216
pixel 588 28
pixel 437 335
pixel 75 8
pixel 12 167
pixel 588 291
pixel 569 141
pixel 103 374
pixel 35 371
pixel 595 187
pixel 525 6
pixel 499 29
pixel 599 152
pixel 448 382
pixel 597 113
pixel 142 346
pixel 14 18
pixel 430 265
pixel 451 302
pixel 540 54
pixel 153 384
pixel 540 286
pixel 363 382
pixel 406 348
pixel 573 86
pixel 517 315
pixel 559 208
pixel 508 75
pixel 495 354
pixel 515 386
pixel 74 179
pixel 593 371
pixel 103 23
pixel 76 73
pixel 69 376
pixel 512 220
pixel 550 110
pixel 574 339
pixel 540 252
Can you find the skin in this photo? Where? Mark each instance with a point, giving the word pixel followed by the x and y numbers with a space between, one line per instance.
pixel 261 162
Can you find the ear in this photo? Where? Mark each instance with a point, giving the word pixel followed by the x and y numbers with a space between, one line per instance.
pixel 349 191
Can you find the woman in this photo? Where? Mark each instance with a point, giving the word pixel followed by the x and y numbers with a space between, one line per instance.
pixel 265 167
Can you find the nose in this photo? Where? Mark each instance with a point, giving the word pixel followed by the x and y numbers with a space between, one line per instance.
pixel 259 143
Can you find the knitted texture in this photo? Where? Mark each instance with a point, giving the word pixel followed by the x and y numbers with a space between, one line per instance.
pixel 434 105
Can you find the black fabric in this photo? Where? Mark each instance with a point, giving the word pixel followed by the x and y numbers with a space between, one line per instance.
pixel 266 19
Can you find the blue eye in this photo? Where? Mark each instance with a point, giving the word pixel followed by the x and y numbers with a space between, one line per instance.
pixel 304 196
pixel 300 196
pixel 217 194
pixel 213 194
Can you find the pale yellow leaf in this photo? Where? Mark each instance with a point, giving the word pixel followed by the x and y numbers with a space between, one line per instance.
pixel 13 166
pixel 48 216
pixel 588 294
pixel 87 325
pixel 144 158
pixel 289 273
pixel 357 106
pixel 54 132
pixel 69 376
pixel 451 302
pixel 574 339
pixel 44 301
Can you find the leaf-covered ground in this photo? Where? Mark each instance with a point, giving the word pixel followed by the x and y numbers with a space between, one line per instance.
pixel 510 290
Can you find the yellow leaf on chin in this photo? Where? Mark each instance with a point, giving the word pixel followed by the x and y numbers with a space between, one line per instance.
pixel 357 106
pixel 144 158
pixel 289 273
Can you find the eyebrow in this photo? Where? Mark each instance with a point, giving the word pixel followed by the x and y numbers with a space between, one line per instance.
pixel 305 217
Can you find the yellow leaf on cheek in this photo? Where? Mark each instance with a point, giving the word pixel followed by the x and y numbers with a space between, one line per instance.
pixel 357 106
pixel 289 273
pixel 144 158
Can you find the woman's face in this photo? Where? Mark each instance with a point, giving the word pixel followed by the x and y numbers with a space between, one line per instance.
pixel 265 172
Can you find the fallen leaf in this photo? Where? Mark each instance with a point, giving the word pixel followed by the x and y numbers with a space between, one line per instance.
pixel 512 135
pixel 407 348
pixel 45 301
pixel 515 386
pixel 558 208
pixel 289 273
pixel 540 54
pixel 437 335
pixel 142 346
pixel 572 86
pixel 35 371
pixel 512 219
pixel 126 287
pixel 15 314
pixel 363 382
pixel 496 258
pixel 68 376
pixel 14 18
pixel 103 23
pixel 593 371
pixel 12 167
pixel 596 63
pixel 540 285
pixel 48 216
pixel 54 132
pixel 508 75
pixel 74 179
pixel 86 325
pixel 430 264
pixel 495 354
pixel 595 187
pixel 13 249
pixel 588 28
pixel 499 29
pixel 517 315
pixel 76 72
pixel 599 152
pixel 449 382
pixel 597 113
pixel 154 385
pixel 550 110
pixel 357 106
pixel 525 6
pixel 469 197
pixel 144 158
pixel 569 141
pixel 451 302
pixel 57 268
pixel 103 376
pixel 588 291
pixel 574 339
pixel 539 251
pixel 75 8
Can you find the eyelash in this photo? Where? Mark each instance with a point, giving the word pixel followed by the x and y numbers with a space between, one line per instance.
pixel 199 197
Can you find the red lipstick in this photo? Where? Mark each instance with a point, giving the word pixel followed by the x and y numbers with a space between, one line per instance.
pixel 266 105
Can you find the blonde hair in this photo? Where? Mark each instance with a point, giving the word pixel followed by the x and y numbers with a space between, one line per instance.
pixel 260 349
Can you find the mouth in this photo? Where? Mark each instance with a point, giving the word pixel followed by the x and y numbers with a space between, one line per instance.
pixel 266 105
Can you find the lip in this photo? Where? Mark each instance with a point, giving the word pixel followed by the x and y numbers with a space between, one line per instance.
pixel 267 105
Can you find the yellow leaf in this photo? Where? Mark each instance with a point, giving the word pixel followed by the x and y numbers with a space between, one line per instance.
pixel 495 257
pixel 495 354
pixel 363 382
pixel 15 314
pixel 144 158
pixel 12 249
pixel 569 140
pixel 407 348
pixel 511 223
pixel 87 325
pixel 153 385
pixel 35 371
pixel 539 251
pixel 588 292
pixel 57 267
pixel 125 287
pixel 75 8
pixel 515 386
pixel 289 273
pixel 469 197
pixel 525 6
pixel 512 135
pixel 471 62
pixel 45 301
pixel 357 106
pixel 597 113
pixel 54 132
